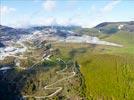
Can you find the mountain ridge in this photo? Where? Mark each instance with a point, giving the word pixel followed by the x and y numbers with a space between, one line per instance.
pixel 113 27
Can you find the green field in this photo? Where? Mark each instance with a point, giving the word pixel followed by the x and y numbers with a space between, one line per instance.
pixel 108 71
pixel 105 73
pixel 108 76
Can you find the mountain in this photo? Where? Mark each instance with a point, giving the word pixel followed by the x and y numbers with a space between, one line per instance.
pixel 62 31
pixel 1 44
pixel 53 27
pixel 113 27
pixel 71 70
pixel 8 33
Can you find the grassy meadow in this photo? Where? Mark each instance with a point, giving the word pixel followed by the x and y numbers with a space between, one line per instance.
pixel 108 77
pixel 108 71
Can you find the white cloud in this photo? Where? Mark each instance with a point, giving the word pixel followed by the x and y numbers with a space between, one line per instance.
pixel 35 1
pixel 110 6
pixel 49 5
pixel 6 10
pixel 55 21
pixel 93 8
pixel 99 15
pixel 65 22
pixel 71 3
pixel 44 21
pixel 21 21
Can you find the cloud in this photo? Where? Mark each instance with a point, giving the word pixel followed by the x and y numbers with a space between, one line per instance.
pixel 65 22
pixel 6 10
pixel 21 21
pixel 98 15
pixel 93 8
pixel 101 12
pixel 44 21
pixel 110 6
pixel 49 5
pixel 55 21
pixel 71 3
pixel 35 1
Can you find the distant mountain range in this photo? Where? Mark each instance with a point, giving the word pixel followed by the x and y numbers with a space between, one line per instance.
pixel 62 31
pixel 1 44
pixel 52 27
pixel 113 27
pixel 8 33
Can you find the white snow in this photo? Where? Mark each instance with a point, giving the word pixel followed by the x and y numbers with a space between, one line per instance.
pixel 88 39
pixel 11 51
pixel 120 26
pixel 5 68
pixel 74 39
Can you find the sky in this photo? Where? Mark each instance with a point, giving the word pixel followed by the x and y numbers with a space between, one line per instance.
pixel 85 13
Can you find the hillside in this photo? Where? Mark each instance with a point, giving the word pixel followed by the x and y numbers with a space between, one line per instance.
pixel 113 27
pixel 1 44
pixel 9 33
pixel 67 63
pixel 108 76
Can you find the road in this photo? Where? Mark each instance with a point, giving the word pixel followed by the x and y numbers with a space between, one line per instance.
pixel 50 86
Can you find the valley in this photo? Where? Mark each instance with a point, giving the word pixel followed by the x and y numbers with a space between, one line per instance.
pixel 67 64
pixel 66 50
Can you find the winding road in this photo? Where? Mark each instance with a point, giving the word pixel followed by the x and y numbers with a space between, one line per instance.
pixel 49 87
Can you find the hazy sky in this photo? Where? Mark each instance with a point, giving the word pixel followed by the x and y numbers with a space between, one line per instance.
pixel 87 13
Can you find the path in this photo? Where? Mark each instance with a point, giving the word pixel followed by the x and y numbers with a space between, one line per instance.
pixel 49 87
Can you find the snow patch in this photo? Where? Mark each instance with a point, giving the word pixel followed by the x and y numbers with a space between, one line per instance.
pixel 120 26
pixel 88 39
pixel 5 68
pixel 12 51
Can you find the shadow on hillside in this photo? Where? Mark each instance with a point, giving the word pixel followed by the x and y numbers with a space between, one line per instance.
pixel 8 90
pixel 12 82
